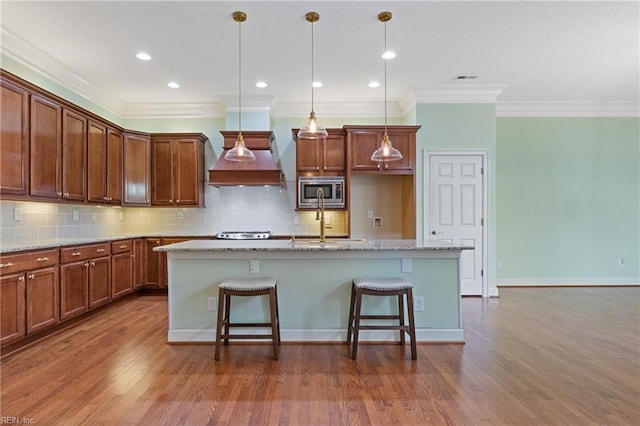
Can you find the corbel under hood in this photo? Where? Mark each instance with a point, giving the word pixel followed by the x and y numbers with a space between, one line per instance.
pixel 262 171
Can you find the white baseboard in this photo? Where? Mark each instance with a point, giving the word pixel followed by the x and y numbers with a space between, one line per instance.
pixel 577 282
pixel 422 335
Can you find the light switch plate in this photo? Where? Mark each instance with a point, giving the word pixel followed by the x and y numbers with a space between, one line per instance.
pixel 254 266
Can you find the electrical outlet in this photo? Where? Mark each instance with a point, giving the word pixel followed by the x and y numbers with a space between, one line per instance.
pixel 296 220
pixel 17 214
pixel 180 215
pixel 93 216
pixel 418 303
pixel 621 262
pixel 76 215
pixel 254 266
pixel 369 214
pixel 499 264
pixel 121 215
pixel 212 303
pixel 405 266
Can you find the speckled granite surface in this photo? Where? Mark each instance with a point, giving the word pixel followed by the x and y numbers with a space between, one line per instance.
pixel 309 245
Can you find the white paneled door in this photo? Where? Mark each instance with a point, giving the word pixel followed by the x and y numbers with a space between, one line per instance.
pixel 456 197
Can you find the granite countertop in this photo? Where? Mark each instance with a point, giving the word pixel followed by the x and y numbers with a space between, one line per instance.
pixel 309 245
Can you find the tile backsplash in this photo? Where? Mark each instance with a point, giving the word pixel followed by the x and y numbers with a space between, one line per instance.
pixel 227 208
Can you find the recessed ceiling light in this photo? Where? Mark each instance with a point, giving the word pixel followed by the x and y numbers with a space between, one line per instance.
pixel 389 54
pixel 374 84
pixel 316 84
pixel 143 56
pixel 173 85
pixel 261 84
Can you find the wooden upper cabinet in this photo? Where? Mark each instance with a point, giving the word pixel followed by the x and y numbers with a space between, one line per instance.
pixel 74 156
pixel 136 169
pixel 45 145
pixel 318 156
pixel 104 174
pixel 364 140
pixel 14 139
pixel 177 177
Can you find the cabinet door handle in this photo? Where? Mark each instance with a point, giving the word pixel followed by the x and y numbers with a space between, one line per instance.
pixel 93 263
pixel 386 166
pixel 317 168
pixel 66 194
pixel 42 259
pixel 123 246
pixel 5 265
pixel 31 276
pixel 21 279
pixel 59 194
pixel 77 253
pixel 100 250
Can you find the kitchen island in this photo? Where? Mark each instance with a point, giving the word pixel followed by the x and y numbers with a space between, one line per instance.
pixel 314 285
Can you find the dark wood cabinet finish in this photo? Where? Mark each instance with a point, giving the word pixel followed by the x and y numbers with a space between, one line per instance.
pixel 29 293
pixel 153 263
pixel 136 169
pixel 122 268
pixel 45 146
pixel 177 177
pixel 320 156
pixel 74 156
pixel 85 278
pixel 139 264
pixel 362 141
pixel 12 309
pixel 104 158
pixel 42 291
pixel 14 139
pixel 99 282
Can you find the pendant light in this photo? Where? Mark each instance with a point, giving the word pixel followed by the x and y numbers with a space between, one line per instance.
pixel 312 130
pixel 386 152
pixel 239 152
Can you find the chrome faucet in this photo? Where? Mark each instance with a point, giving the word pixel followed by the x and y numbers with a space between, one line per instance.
pixel 320 214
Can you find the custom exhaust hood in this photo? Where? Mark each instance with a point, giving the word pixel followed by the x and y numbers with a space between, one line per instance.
pixel 264 170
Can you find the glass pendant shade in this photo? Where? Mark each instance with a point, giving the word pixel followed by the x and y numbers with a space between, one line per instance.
pixel 312 130
pixel 240 152
pixel 386 152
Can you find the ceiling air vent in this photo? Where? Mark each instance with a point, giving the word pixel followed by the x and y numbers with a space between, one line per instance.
pixel 465 77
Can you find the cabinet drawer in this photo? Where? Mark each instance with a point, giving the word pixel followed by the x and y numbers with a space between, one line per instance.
pixel 75 254
pixel 122 246
pixel 28 261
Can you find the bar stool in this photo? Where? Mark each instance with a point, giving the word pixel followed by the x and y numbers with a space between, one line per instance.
pixel 381 287
pixel 247 287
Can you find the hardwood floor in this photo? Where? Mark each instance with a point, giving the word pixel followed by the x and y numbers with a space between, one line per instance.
pixel 553 356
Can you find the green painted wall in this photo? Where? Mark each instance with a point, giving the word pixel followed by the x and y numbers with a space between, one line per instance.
pixel 458 127
pixel 568 199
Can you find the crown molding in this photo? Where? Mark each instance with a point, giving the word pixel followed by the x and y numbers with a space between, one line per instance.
pixel 174 110
pixel 337 109
pixel 249 103
pixel 457 93
pixel 568 109
pixel 37 60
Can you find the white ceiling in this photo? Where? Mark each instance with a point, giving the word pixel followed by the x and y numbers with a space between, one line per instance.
pixel 531 52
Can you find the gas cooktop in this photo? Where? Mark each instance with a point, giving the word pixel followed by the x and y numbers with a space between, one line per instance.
pixel 244 235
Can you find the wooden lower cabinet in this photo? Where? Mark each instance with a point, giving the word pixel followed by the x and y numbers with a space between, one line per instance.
pixel 153 263
pixel 139 265
pixel 43 309
pixel 12 314
pixel 122 268
pixel 74 290
pixel 99 282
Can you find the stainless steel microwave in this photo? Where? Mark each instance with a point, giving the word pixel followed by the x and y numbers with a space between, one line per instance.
pixel 332 189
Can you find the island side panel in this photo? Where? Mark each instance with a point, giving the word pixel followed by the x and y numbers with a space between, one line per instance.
pixel 313 294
